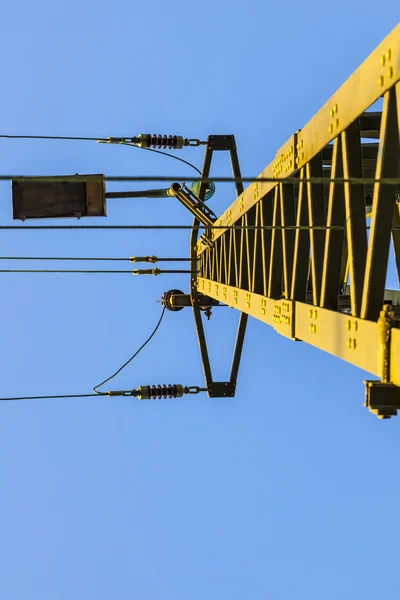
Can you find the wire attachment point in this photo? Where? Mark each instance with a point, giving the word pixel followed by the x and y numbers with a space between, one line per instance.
pixel 194 389
pixel 146 271
pixel 150 259
pixel 118 140
pixel 122 393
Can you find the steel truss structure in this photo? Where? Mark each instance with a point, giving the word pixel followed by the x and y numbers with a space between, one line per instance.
pixel 307 250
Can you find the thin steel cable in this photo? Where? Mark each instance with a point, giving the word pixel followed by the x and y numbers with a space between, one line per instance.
pixel 54 397
pixel 62 258
pixel 84 259
pixel 177 227
pixel 95 389
pixel 97 272
pixel 50 137
pixel 62 271
pixel 161 152
pixel 255 179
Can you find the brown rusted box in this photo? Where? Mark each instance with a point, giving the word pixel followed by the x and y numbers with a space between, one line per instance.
pixel 55 199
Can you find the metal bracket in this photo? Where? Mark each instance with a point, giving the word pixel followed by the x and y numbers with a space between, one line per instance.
pixel 382 399
pixel 221 389
pixel 225 389
pixel 221 142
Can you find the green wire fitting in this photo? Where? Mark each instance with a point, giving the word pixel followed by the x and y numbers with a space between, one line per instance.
pixel 146 271
pixel 150 259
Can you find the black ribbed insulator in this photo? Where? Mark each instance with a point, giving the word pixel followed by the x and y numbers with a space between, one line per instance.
pixel 163 391
pixel 163 141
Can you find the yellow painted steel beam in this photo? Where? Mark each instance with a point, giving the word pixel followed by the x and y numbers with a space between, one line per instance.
pixel 355 340
pixel 383 204
pixel 376 75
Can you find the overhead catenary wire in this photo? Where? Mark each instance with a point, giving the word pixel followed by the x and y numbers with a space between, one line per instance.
pixel 55 397
pixel 97 271
pixel 257 178
pixel 103 140
pixel 50 137
pixel 88 258
pixel 96 387
pixel 186 162
pixel 229 179
pixel 178 227
pixel 96 391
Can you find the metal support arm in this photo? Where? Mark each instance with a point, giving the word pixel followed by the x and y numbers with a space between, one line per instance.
pixel 226 388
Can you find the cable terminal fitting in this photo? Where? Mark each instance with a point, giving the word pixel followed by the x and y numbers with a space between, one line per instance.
pixel 122 393
pixel 146 271
pixel 149 259
pixel 118 140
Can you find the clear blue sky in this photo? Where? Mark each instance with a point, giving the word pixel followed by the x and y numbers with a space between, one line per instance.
pixel 291 490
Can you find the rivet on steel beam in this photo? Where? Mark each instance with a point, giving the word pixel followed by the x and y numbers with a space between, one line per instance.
pixel 381 80
pixel 390 72
pixel 383 60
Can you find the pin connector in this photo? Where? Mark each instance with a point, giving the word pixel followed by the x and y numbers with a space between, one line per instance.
pixel 146 271
pixel 149 259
